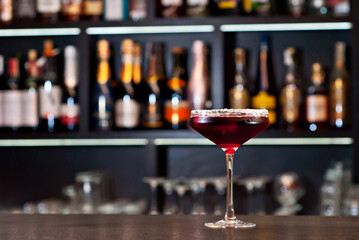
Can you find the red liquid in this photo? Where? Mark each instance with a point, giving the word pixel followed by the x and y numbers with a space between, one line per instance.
pixel 229 133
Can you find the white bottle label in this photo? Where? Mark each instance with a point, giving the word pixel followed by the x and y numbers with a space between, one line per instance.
pixel 1 109
pixel 12 108
pixel 127 113
pixel 48 6
pixel 197 2
pixel 168 3
pixel 113 10
pixel 317 108
pixel 30 109
pixel 50 101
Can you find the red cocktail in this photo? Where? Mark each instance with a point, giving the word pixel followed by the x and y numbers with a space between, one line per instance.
pixel 229 129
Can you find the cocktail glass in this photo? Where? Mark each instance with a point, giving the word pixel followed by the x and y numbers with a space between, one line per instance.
pixel 229 129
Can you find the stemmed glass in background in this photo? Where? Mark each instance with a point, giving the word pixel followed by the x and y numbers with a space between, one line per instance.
pixel 153 182
pixel 229 129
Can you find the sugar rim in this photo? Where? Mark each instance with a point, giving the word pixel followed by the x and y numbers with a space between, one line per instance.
pixel 230 113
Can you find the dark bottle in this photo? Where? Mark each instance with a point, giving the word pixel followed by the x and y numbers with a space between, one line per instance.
pixel 2 87
pixel 70 107
pixel 49 10
pixel 265 94
pixel 291 93
pixel 25 9
pixel 339 90
pixel 176 109
pixel 29 105
pixel 224 7
pixel 50 91
pixel 197 8
pixel 71 9
pixel 12 97
pixel 92 9
pixel 152 112
pixel 239 95
pixel 102 109
pixel 170 8
pixel 139 85
pixel 6 13
pixel 127 109
pixel 317 112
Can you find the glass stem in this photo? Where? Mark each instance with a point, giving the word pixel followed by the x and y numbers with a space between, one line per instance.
pixel 153 210
pixel 230 215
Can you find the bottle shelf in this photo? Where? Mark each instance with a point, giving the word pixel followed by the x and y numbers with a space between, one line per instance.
pixel 274 23
pixel 168 138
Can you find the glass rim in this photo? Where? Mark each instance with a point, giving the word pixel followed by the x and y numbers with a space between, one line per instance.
pixel 226 112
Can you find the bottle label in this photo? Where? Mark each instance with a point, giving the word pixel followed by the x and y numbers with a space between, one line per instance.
pixel 264 100
pixel 71 7
pixel 1 109
pixel 152 117
pixel 227 4
pixel 50 101
pixel 176 113
pixel 290 99
pixel 114 10
pixel 29 109
pixel 26 9
pixel 197 2
pixel 127 113
pixel 168 3
pixel 176 83
pixel 12 108
pixel 69 114
pixel 317 108
pixel 48 6
pixel 103 112
pixel 92 7
pixel 239 98
pixel 6 10
pixel 337 100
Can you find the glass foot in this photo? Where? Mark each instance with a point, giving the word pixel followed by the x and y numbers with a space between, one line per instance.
pixel 230 224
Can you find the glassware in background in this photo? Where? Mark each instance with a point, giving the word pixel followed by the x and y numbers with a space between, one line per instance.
pixel 351 201
pixel 90 190
pixel 255 187
pixel 288 190
pixel 170 204
pixel 50 206
pixel 181 187
pixel 153 182
pixel 198 188
pixel 331 191
pixel 220 184
pixel 123 206
pixel 72 193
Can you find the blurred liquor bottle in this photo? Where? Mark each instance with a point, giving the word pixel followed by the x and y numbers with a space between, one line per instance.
pixel 70 109
pixel 50 91
pixel 177 111
pixel 265 96
pixel 339 90
pixel 102 107
pixel 198 84
pixel 71 9
pixel 127 109
pixel 317 109
pixel 291 93
pixel 30 96
pixel 239 95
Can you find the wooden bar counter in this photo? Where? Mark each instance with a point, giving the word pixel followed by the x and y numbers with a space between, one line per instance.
pixel 110 227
